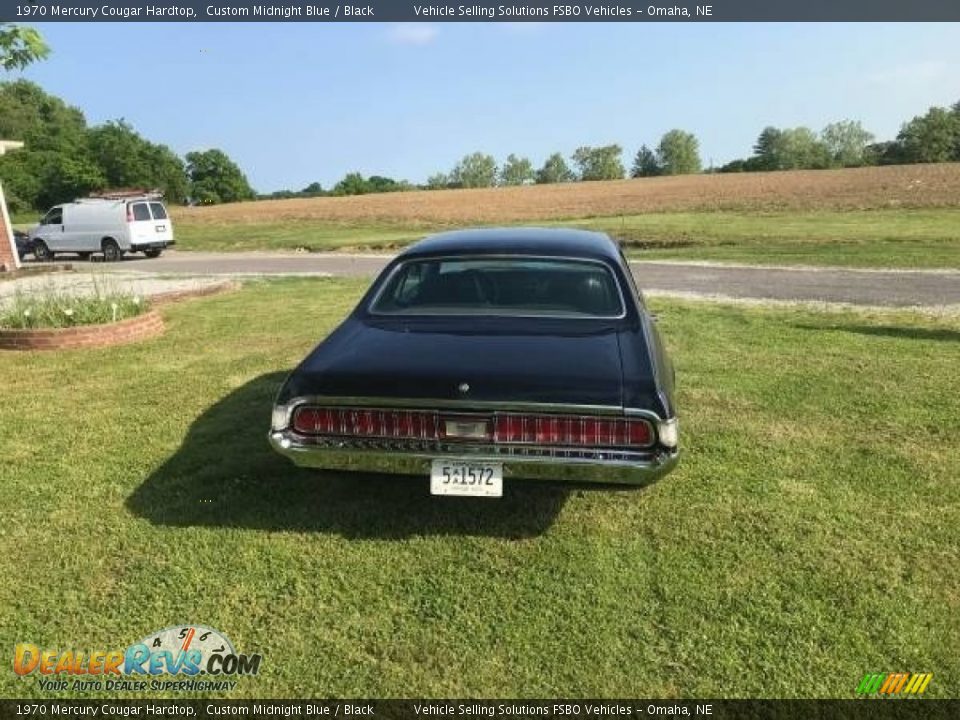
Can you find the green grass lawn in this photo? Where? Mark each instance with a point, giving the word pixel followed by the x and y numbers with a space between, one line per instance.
pixel 300 234
pixel 869 238
pixel 809 536
pixel 927 238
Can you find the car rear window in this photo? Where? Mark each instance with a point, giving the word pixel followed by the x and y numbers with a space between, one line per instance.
pixel 159 211
pixel 520 286
pixel 141 212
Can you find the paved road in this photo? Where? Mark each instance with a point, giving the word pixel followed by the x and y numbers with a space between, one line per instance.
pixel 861 287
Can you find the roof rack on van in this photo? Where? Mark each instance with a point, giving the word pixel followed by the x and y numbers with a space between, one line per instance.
pixel 126 194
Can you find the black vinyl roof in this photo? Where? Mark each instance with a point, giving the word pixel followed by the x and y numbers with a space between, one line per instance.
pixel 563 242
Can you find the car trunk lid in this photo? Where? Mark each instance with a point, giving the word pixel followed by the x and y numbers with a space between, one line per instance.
pixel 368 361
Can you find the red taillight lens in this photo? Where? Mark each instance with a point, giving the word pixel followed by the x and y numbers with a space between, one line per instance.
pixel 572 431
pixel 308 420
pixel 562 430
pixel 639 432
pixel 129 213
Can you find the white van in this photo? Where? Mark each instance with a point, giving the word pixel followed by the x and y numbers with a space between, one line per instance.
pixel 112 226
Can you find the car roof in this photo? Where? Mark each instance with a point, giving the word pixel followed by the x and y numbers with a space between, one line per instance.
pixel 561 242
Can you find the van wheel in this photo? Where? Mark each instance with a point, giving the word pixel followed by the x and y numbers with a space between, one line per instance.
pixel 155 253
pixel 111 251
pixel 41 252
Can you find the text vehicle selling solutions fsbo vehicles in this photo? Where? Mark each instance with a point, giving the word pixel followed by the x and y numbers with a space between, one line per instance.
pixel 481 356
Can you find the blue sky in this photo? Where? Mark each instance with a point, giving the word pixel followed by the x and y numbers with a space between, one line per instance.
pixel 298 102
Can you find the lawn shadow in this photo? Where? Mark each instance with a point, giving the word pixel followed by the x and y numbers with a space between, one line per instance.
pixel 226 475
pixel 892 331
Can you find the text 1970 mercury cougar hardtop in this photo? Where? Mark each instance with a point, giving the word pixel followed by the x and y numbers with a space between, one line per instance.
pixel 481 356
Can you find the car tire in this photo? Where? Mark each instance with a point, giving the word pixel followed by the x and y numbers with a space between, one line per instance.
pixel 155 253
pixel 111 251
pixel 41 252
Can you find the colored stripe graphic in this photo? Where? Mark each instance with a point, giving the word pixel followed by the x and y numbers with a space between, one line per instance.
pixel 894 683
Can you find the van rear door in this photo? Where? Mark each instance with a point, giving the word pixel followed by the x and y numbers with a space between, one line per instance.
pixel 149 224
pixel 161 222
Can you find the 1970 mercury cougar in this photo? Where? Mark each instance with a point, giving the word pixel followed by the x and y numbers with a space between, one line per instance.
pixel 481 356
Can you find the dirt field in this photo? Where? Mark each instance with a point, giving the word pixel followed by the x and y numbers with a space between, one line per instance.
pixel 905 186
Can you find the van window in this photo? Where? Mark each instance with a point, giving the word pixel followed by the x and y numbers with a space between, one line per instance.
pixel 54 217
pixel 141 211
pixel 159 211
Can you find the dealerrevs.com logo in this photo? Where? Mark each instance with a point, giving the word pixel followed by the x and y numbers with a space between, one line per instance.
pixel 177 658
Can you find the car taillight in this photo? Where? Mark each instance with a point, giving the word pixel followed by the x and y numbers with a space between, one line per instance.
pixel 562 430
pixel 574 431
pixel 129 213
pixel 356 422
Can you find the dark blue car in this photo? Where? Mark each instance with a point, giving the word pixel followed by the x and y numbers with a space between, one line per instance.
pixel 23 242
pixel 484 355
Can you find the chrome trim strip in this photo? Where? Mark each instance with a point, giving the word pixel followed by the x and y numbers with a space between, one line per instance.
pixel 466 405
pixel 499 256
pixel 618 472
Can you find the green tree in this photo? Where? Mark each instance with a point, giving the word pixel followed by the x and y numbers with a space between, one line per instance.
pixel 846 142
pixel 20 46
pixel 768 149
pixel 678 153
pixel 352 184
pixel 380 184
pixel 734 166
pixel 645 164
pixel 555 170
pixel 64 178
pixel 56 153
pixel 790 149
pixel 883 153
pixel 516 171
pixel 931 138
pixel 314 189
pixel 599 163
pixel 438 181
pixel 128 160
pixel 476 170
pixel 215 178
pixel 803 150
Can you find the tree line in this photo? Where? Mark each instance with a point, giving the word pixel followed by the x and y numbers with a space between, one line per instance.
pixel 64 158
pixel 929 138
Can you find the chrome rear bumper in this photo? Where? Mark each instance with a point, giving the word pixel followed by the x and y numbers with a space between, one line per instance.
pixel 613 467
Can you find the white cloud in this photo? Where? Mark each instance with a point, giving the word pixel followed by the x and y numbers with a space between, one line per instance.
pixel 413 33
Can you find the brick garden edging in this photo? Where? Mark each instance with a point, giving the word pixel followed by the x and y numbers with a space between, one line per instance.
pixel 142 327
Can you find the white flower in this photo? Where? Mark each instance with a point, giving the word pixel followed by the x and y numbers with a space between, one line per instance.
pixel 68 312
pixel 26 313
pixel 136 300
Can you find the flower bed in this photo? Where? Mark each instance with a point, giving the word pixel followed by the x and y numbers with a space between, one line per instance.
pixel 141 327
pixel 52 320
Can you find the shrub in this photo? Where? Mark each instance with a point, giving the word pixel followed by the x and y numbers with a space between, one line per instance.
pixel 53 307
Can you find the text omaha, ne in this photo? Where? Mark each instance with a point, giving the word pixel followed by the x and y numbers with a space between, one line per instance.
pixel 560 11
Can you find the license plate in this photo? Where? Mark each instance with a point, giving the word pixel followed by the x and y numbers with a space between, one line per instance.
pixel 461 477
pixel 161 228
